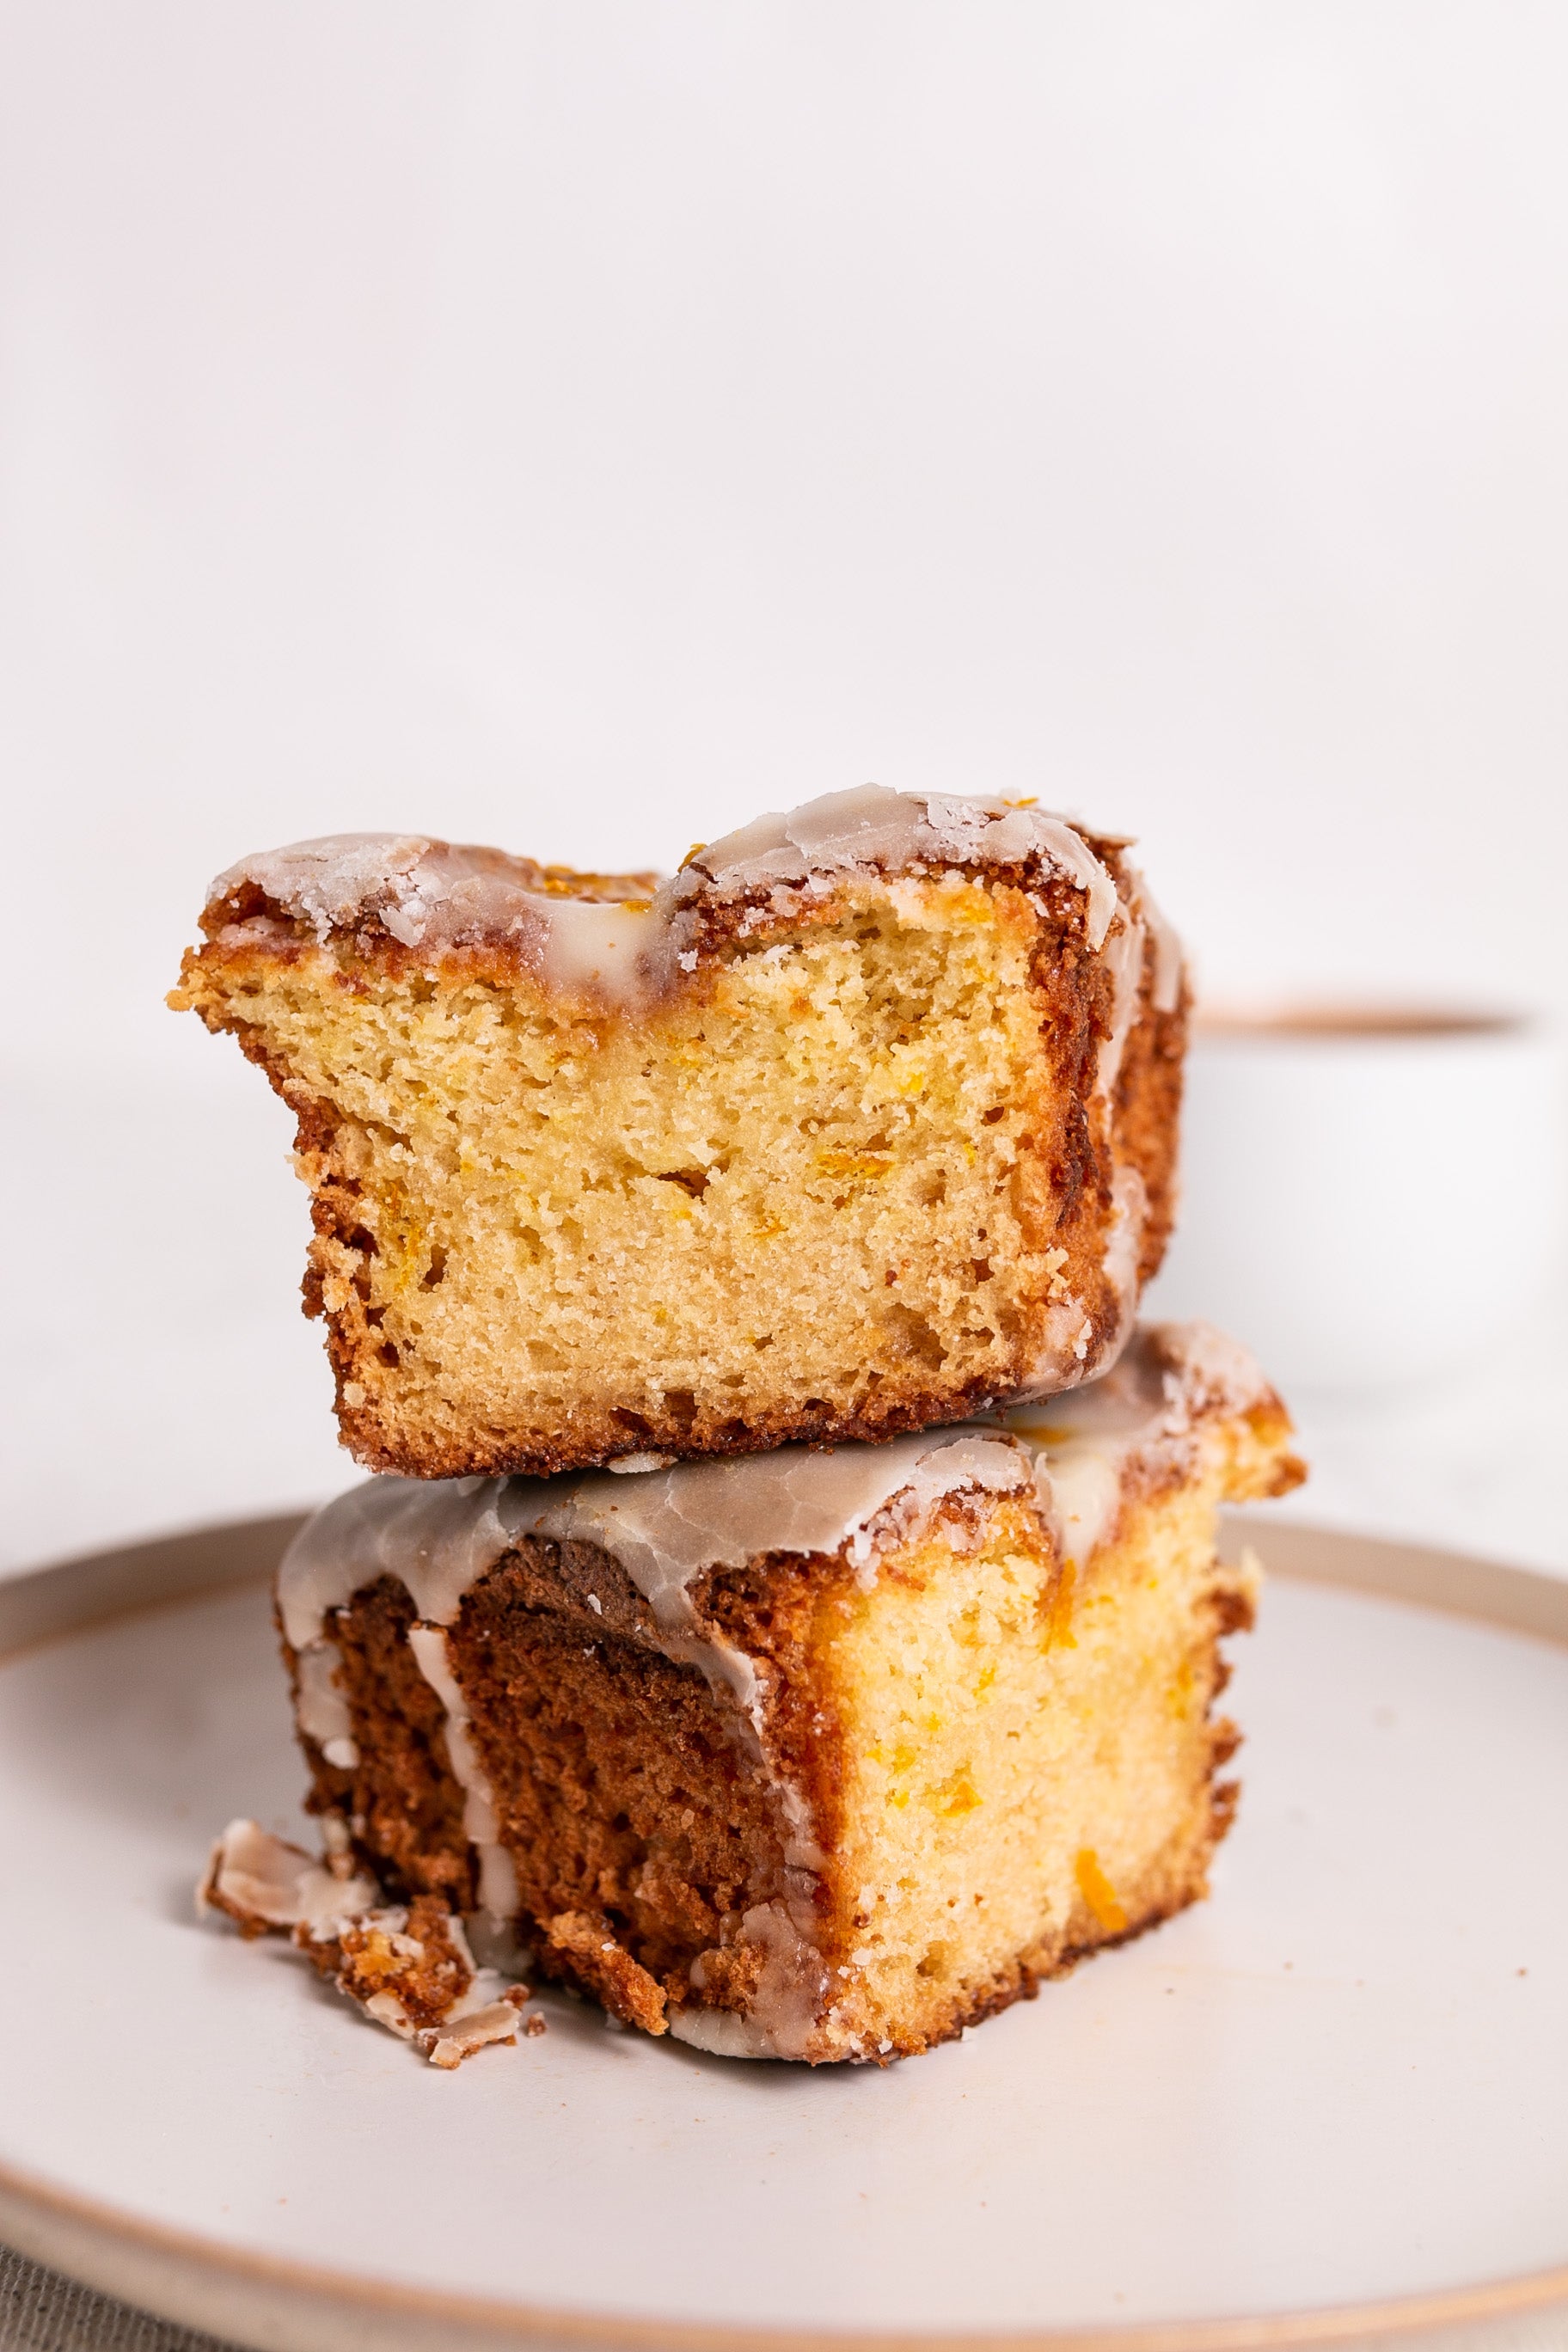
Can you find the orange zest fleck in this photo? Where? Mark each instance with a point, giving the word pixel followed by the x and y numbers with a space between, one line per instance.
pixel 854 1163
pixel 1098 1892
pixel 960 1795
pixel 373 1957
pixel 1059 1635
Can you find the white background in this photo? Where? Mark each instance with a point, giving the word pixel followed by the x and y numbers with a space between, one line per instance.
pixel 582 426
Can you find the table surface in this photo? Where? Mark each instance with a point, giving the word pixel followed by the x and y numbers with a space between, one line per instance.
pixel 41 2311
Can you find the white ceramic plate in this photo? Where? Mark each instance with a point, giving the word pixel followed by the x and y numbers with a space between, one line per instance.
pixel 1327 2105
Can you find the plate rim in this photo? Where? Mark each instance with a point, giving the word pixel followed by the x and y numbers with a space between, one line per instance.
pixel 296 2307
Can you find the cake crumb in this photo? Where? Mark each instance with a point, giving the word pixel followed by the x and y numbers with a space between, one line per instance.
pixel 448 2046
pixel 629 1992
pixel 406 1967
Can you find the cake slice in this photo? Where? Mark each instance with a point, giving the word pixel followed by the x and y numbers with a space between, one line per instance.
pixel 863 1123
pixel 812 1755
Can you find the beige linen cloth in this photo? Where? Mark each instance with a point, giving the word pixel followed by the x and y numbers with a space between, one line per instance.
pixel 41 2311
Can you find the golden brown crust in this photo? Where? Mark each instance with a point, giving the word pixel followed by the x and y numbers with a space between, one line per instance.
pixel 1268 1469
pixel 1148 1111
pixel 593 1438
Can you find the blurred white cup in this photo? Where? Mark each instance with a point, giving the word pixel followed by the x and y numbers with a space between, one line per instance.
pixel 1369 1197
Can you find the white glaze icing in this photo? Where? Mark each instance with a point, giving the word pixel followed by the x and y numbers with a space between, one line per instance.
pixel 439 1536
pixel 468 2028
pixel 1066 1358
pixel 441 895
pixel 724 2033
pixel 874 828
pixel 334 882
pixel 497 1873
pixel 666 1526
pixel 1169 961
pixel 279 1885
pixel 607 948
pixel 320 1707
pixel 1143 1412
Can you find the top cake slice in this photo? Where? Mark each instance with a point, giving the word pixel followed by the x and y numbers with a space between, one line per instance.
pixel 863 1122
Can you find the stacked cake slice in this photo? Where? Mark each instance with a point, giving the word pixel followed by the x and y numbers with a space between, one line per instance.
pixel 794 1617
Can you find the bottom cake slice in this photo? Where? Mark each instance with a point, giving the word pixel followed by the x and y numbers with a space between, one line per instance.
pixel 803 1755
